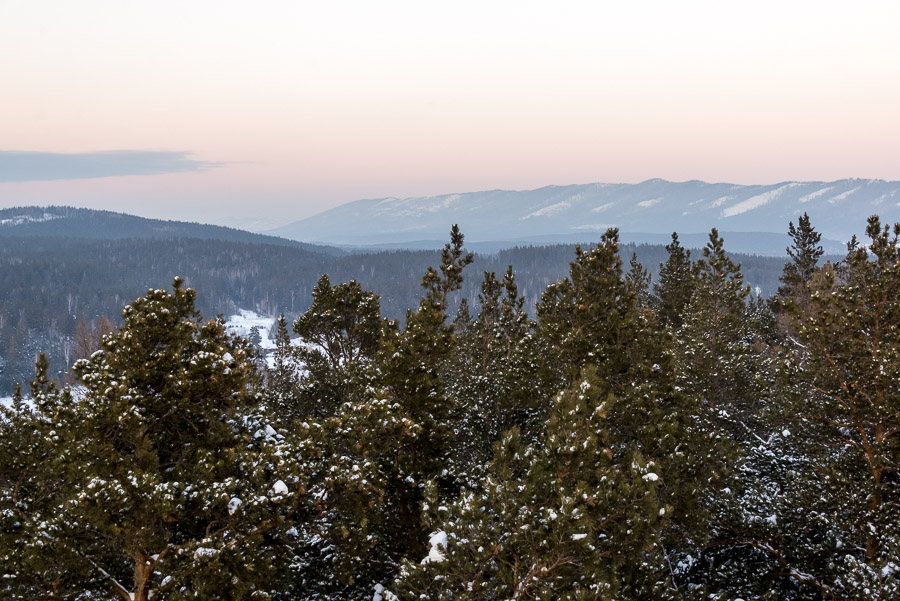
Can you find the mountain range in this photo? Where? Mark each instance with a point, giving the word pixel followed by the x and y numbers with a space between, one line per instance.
pixel 755 216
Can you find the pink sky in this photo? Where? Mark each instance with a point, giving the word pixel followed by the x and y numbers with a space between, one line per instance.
pixel 308 105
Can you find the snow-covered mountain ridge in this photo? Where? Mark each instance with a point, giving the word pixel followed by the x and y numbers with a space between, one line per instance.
pixel 838 210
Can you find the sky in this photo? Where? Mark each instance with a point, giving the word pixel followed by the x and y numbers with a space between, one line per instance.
pixel 256 114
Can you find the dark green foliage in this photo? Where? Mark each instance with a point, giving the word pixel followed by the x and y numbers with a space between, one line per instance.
pixel 409 358
pixel 716 354
pixel 639 280
pixel 165 476
pixel 592 454
pixel 848 392
pixel 805 253
pixel 339 334
pixel 493 377
pixel 283 378
pixel 590 317
pixel 675 284
pixel 560 522
pixel 373 457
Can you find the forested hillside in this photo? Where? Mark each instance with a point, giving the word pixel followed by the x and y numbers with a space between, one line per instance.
pixel 628 440
pixel 71 222
pixel 49 284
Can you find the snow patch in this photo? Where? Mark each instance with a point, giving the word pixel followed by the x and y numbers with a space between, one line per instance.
pixel 815 194
pixel 649 203
pixel 754 202
pixel 843 195
pixel 414 206
pixel 19 220
pixel 602 207
pixel 279 488
pixel 233 505
pixel 242 323
pixel 382 594
pixel 550 210
pixel 438 543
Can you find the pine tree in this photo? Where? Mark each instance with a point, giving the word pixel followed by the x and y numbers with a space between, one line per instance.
pixel 33 562
pixel 716 355
pixel 590 316
pixel 168 480
pixel 283 380
pixel 492 377
pixel 371 461
pixel 582 516
pixel 805 253
pixel 639 280
pixel 848 358
pixel 409 359
pixel 675 284
pixel 581 512
pixel 340 336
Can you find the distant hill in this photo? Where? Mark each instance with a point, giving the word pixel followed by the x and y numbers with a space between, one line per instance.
pixel 643 213
pixel 69 222
pixel 764 244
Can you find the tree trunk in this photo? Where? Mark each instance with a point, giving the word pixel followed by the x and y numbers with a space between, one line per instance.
pixel 874 504
pixel 143 570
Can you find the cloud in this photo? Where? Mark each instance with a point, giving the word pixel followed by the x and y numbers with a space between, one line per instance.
pixel 18 166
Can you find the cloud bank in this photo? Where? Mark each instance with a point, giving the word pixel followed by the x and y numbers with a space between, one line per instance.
pixel 18 166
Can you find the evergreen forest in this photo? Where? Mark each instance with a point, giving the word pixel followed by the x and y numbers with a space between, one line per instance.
pixel 58 293
pixel 624 431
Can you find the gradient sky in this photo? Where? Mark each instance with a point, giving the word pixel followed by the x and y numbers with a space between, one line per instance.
pixel 254 113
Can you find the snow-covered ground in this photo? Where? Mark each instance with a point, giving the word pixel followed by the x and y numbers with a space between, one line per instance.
pixel 242 323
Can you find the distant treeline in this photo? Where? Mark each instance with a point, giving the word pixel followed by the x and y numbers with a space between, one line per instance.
pixel 50 284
